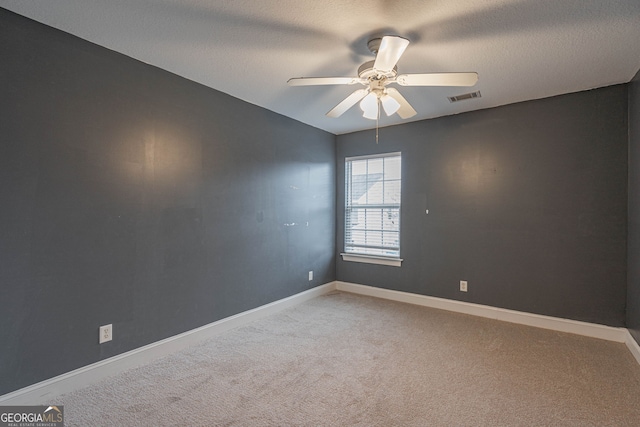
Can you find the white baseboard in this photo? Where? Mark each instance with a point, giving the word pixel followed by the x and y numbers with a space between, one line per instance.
pixel 44 391
pixel 633 346
pixel 546 322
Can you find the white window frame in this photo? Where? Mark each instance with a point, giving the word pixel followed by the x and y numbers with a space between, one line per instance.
pixel 352 254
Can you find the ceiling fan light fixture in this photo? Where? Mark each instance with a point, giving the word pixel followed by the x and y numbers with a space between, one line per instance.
pixel 371 114
pixel 390 105
pixel 369 106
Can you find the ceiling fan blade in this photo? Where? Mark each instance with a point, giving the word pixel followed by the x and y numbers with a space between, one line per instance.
pixel 437 79
pixel 406 110
pixel 316 81
pixel 390 50
pixel 348 102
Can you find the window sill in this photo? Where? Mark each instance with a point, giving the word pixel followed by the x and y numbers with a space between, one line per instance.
pixel 371 259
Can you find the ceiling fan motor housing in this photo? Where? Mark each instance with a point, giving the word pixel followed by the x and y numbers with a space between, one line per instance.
pixel 367 72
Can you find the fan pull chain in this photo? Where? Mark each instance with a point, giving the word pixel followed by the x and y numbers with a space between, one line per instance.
pixel 377 119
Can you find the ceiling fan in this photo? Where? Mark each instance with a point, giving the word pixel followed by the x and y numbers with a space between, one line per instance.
pixel 377 74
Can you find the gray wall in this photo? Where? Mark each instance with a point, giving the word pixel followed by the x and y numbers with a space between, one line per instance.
pixel 132 196
pixel 527 202
pixel 633 260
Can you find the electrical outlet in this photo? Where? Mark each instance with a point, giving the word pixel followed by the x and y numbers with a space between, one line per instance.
pixel 310 275
pixel 463 286
pixel 106 333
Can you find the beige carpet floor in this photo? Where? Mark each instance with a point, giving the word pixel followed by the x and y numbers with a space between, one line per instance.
pixel 349 360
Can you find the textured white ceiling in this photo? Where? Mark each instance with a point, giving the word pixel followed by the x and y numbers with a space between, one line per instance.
pixel 521 49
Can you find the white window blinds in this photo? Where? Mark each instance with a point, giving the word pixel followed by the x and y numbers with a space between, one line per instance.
pixel 372 206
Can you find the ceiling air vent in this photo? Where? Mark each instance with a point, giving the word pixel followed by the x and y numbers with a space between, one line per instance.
pixel 464 96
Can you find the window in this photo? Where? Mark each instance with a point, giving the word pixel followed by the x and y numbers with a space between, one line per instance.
pixel 372 209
